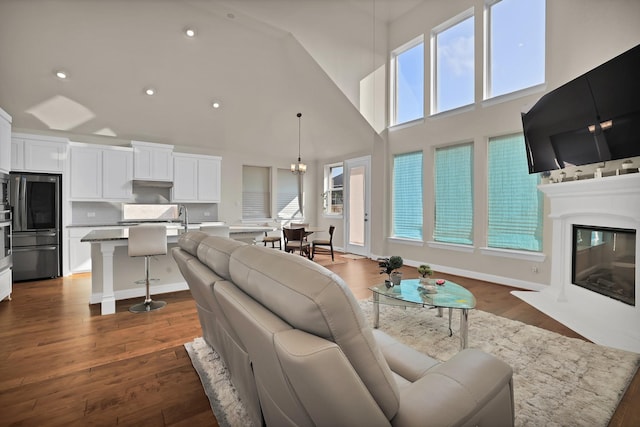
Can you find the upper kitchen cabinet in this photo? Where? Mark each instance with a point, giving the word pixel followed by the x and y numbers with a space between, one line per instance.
pixel 152 162
pixel 100 173
pixel 38 153
pixel 196 178
pixel 5 141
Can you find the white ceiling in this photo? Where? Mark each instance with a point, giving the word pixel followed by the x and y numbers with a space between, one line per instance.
pixel 263 60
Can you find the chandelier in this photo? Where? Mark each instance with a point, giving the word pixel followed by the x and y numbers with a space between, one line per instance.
pixel 298 168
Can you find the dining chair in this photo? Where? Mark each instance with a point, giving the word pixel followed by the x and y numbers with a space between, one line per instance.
pixel 320 245
pixel 294 240
pixel 271 237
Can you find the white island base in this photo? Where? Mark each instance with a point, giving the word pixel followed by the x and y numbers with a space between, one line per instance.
pixel 114 272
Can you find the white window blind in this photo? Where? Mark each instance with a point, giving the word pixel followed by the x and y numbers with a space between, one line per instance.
pixel 256 194
pixel 454 194
pixel 407 195
pixel 515 204
pixel 287 194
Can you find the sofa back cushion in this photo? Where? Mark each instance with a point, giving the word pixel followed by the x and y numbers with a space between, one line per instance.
pixel 215 251
pixel 315 300
pixel 190 241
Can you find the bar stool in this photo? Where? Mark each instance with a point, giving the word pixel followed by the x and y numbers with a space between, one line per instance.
pixel 146 241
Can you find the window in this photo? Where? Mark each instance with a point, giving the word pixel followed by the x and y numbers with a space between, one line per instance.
pixel 256 192
pixel 454 194
pixel 287 195
pixel 515 204
pixel 515 56
pixel 407 64
pixel 407 195
pixel 333 189
pixel 452 63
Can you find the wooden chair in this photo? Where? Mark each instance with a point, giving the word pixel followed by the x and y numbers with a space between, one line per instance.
pixel 319 245
pixel 272 239
pixel 294 240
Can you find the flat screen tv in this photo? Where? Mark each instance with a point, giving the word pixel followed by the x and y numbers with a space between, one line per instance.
pixel 593 118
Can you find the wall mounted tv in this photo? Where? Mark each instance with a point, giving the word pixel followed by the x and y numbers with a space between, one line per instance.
pixel 593 118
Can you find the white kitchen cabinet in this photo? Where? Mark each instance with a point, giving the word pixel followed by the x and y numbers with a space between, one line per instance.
pixel 5 284
pixel 152 161
pixel 196 178
pixel 5 141
pixel 79 252
pixel 101 173
pixel 37 153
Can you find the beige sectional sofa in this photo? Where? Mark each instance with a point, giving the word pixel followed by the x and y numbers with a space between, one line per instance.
pixel 300 352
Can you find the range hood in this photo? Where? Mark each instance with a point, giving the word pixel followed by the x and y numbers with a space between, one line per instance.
pixel 151 183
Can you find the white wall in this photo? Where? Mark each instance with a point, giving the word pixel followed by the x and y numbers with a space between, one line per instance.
pixel 581 34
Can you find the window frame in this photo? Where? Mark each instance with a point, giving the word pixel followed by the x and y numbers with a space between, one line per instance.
pixel 393 80
pixel 329 189
pixel 448 24
pixel 487 58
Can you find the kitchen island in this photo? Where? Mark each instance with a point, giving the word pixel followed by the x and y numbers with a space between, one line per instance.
pixel 113 272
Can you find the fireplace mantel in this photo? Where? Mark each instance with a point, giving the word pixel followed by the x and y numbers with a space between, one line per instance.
pixel 603 202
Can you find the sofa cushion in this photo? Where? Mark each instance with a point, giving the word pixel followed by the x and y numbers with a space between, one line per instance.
pixel 190 241
pixel 315 300
pixel 214 252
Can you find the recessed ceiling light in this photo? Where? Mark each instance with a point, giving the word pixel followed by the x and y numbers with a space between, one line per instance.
pixel 215 104
pixel 61 74
pixel 150 91
pixel 190 32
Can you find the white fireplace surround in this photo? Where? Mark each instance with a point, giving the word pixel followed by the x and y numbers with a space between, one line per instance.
pixel 603 202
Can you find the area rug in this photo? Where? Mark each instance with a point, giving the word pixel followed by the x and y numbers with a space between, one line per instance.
pixel 558 381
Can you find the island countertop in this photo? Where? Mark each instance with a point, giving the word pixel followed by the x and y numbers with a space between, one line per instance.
pixel 122 234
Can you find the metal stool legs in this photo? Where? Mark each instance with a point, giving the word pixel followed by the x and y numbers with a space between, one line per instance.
pixel 148 304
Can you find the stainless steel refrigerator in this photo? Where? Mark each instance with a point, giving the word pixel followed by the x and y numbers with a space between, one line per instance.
pixel 36 241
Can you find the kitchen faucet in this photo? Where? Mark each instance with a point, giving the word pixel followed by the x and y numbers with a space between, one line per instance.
pixel 185 218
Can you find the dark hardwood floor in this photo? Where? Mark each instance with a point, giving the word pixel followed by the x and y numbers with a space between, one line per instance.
pixel 62 363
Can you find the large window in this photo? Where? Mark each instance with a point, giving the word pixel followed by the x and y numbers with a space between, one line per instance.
pixel 515 56
pixel 452 69
pixel 408 82
pixel 407 195
pixel 454 194
pixel 256 192
pixel 287 195
pixel 333 189
pixel 515 204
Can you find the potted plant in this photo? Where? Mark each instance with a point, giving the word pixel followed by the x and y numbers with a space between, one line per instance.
pixel 425 271
pixel 388 266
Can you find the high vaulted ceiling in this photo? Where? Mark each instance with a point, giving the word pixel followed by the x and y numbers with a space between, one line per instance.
pixel 262 60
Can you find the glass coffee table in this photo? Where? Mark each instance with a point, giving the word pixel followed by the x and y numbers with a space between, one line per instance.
pixel 411 293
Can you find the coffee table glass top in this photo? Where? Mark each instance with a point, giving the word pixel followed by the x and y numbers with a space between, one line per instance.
pixel 449 295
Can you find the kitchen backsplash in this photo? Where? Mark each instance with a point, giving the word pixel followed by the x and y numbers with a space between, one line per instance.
pixel 103 213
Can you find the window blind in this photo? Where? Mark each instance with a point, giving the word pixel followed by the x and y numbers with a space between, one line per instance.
pixel 515 204
pixel 407 195
pixel 454 194
pixel 287 194
pixel 256 195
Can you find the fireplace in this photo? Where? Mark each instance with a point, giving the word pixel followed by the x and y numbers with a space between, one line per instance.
pixel 604 261
pixel 594 279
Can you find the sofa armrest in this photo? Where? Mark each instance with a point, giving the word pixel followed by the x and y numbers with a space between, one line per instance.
pixel 403 360
pixel 472 388
pixel 324 381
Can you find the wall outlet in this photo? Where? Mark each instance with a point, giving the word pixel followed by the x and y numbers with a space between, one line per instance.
pixel 534 269
pixel 207 214
pixel 91 214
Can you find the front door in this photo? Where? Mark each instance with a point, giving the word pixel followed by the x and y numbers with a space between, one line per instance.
pixel 357 196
